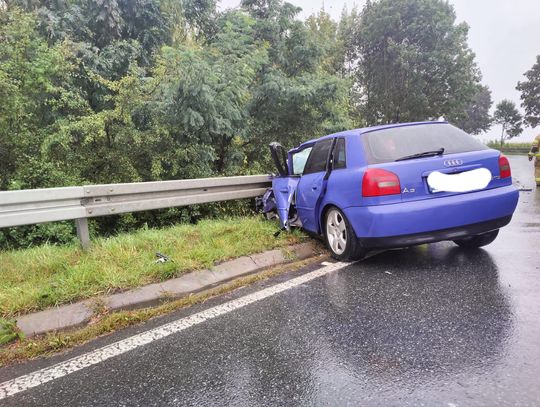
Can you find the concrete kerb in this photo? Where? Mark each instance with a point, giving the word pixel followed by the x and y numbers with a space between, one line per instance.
pixel 73 315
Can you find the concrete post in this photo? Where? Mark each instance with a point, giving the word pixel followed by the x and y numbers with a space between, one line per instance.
pixel 82 232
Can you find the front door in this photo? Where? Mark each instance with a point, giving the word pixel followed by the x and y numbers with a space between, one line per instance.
pixel 312 185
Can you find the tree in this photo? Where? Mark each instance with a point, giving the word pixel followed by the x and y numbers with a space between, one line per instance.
pixel 37 91
pixel 530 94
pixel 476 118
pixel 507 115
pixel 414 61
pixel 106 21
pixel 348 24
pixel 188 19
pixel 202 95
pixel 296 95
pixel 325 32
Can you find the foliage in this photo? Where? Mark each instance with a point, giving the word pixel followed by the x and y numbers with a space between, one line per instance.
pixel 36 92
pixel 326 33
pixel 9 331
pixel 507 115
pixel 201 95
pixel 297 96
pixel 530 94
pixel 414 62
pixel 476 118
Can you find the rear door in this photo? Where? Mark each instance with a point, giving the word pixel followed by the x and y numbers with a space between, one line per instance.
pixel 312 184
pixel 462 153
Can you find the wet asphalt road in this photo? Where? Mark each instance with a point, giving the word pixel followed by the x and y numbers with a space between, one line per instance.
pixel 431 325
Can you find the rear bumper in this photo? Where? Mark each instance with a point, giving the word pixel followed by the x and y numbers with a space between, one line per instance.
pixel 434 236
pixel 436 216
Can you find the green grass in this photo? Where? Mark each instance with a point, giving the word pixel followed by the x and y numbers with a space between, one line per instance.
pixel 37 278
pixel 518 148
pixel 510 144
pixel 9 331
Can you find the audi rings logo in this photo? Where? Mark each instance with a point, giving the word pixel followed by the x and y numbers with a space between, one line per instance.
pixel 452 163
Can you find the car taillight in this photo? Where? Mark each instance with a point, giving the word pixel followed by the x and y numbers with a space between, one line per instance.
pixel 504 167
pixel 378 182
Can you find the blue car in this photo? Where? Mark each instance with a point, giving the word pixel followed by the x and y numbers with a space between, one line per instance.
pixel 393 186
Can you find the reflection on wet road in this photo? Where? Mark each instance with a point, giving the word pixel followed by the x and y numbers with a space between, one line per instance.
pixel 430 325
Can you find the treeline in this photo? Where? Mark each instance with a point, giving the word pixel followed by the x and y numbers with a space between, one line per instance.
pixel 107 91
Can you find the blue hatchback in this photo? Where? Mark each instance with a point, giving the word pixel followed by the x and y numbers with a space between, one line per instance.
pixel 393 186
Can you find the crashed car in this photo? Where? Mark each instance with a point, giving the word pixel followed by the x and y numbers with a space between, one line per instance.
pixel 392 186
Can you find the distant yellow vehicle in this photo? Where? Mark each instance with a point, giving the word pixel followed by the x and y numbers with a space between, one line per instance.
pixel 535 153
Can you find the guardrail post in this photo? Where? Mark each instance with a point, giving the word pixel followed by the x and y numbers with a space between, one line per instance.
pixel 82 232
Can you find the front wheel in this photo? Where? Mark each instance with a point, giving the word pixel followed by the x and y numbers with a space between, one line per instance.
pixel 474 242
pixel 340 237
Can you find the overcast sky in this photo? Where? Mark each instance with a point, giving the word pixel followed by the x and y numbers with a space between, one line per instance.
pixel 504 34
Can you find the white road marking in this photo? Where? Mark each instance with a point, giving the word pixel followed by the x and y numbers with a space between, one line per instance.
pixel 28 381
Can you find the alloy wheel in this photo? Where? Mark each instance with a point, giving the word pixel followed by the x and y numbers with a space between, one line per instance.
pixel 336 231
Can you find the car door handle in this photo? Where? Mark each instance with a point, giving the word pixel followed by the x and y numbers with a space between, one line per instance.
pixel 314 188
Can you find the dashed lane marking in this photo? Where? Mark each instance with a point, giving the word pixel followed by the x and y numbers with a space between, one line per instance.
pixel 39 377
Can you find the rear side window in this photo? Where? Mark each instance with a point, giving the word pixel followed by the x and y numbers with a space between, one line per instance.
pixel 318 157
pixel 339 154
pixel 390 144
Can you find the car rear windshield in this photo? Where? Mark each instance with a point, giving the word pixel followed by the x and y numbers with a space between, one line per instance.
pixel 390 144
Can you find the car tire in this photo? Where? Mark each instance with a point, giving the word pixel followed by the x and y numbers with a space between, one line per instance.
pixel 340 237
pixel 477 241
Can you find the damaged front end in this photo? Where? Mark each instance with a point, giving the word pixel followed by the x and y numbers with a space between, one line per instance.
pixel 279 201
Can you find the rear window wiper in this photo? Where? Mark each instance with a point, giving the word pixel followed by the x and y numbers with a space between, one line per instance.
pixel 433 153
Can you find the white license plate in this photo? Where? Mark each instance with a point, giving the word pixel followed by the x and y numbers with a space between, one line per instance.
pixel 466 181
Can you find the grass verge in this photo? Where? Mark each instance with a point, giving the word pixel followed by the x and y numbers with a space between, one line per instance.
pixel 105 323
pixel 511 148
pixel 37 278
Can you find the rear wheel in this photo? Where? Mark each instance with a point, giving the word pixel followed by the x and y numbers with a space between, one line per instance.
pixel 474 242
pixel 340 237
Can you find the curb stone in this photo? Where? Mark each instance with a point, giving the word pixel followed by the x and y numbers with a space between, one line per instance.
pixel 73 315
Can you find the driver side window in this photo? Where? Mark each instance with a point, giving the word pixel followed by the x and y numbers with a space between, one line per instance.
pixel 318 157
pixel 299 161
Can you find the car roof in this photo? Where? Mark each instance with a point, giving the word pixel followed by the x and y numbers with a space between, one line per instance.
pixel 364 130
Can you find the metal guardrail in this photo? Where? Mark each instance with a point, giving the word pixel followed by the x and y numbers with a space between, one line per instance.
pixel 28 207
